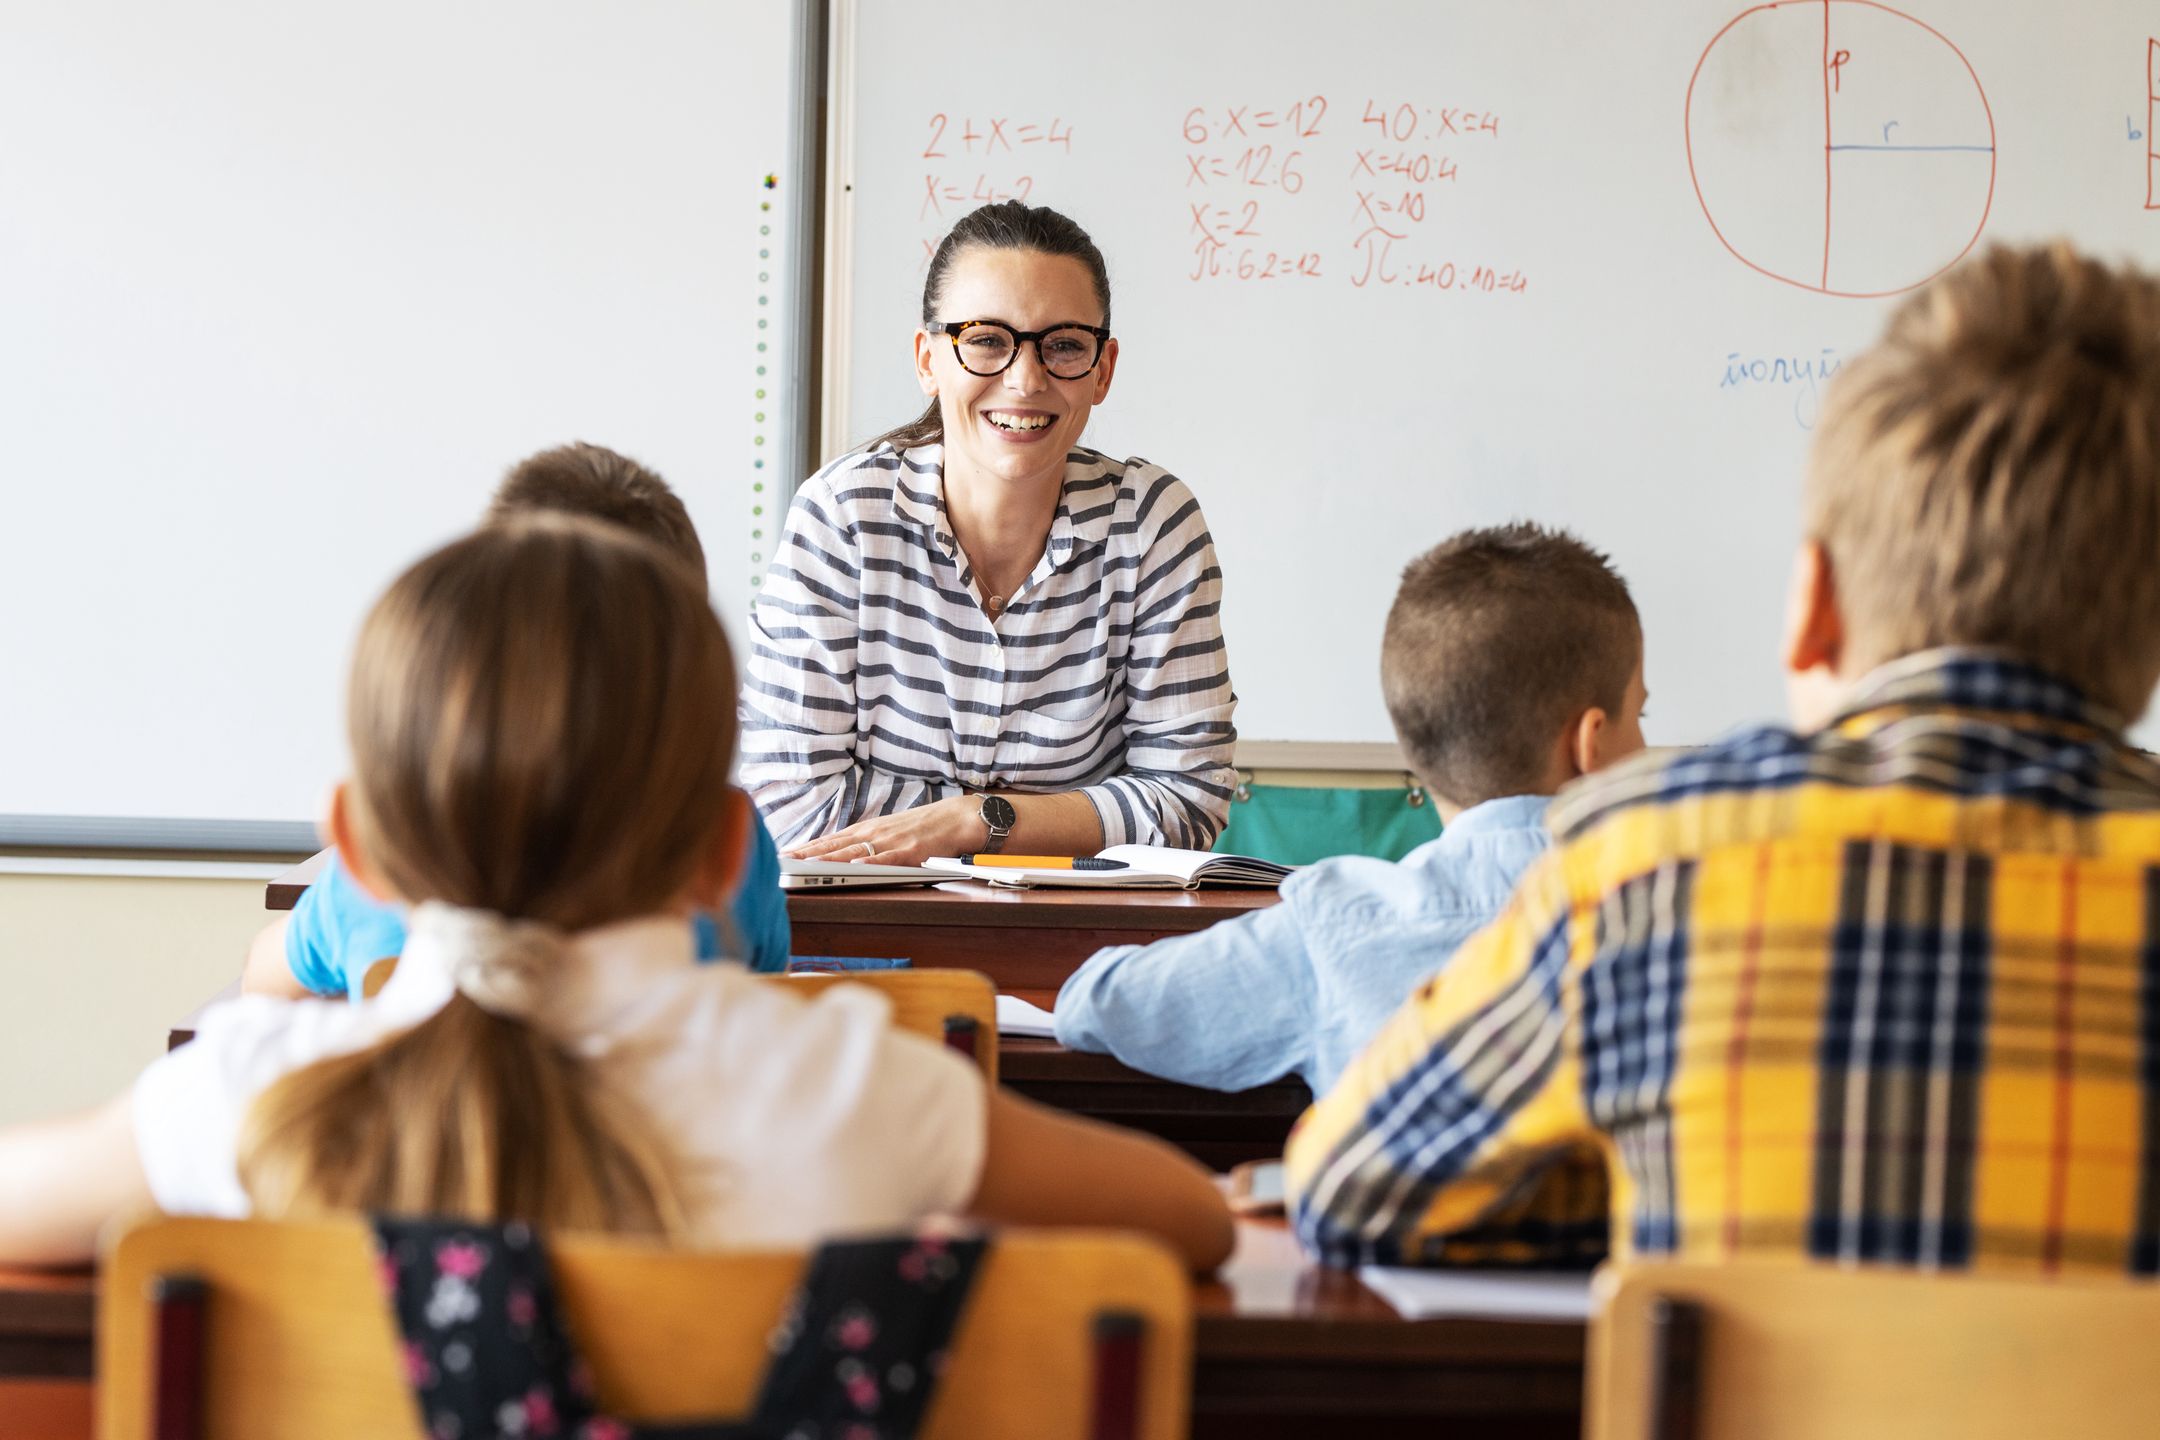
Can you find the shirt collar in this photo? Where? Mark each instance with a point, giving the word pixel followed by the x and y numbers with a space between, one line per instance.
pixel 1972 678
pixel 919 499
pixel 1511 812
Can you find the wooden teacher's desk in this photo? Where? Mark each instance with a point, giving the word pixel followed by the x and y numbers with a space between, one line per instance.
pixel 1281 1348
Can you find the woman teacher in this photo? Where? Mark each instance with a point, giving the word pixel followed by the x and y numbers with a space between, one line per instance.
pixel 976 634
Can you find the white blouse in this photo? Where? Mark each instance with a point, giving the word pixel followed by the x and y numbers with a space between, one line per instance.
pixel 792 1120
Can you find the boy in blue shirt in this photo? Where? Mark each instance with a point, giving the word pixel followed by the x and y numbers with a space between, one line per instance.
pixel 338 932
pixel 1512 662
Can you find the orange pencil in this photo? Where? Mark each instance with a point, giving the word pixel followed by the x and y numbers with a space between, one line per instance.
pixel 1045 862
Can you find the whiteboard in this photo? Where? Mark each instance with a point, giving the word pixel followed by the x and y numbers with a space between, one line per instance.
pixel 1385 270
pixel 285 288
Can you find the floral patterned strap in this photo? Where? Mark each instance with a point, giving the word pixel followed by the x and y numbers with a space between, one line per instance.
pixel 856 1354
pixel 858 1351
pixel 484 1346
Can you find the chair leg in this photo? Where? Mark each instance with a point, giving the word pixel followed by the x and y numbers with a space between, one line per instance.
pixel 1118 1337
pixel 177 1303
pixel 1676 1340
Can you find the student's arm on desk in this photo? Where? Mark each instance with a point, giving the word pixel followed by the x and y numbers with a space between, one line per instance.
pixel 65 1179
pixel 1229 1008
pixel 1041 1167
pixel 1461 1131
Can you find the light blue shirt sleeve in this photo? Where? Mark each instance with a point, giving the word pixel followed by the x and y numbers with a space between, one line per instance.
pixel 337 931
pixel 1227 1008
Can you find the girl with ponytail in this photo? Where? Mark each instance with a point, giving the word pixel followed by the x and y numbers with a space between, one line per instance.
pixel 542 724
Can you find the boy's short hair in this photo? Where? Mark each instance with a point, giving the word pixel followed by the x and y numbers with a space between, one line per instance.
pixel 592 480
pixel 1497 639
pixel 1989 473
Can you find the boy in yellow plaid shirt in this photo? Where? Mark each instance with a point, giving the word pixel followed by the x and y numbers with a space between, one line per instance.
pixel 1884 987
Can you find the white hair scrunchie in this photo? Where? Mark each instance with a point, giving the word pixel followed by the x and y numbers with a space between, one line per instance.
pixel 499 964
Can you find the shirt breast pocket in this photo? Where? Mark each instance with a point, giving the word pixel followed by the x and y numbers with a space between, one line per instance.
pixel 1072 714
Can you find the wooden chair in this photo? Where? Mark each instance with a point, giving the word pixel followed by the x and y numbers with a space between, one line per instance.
pixel 956 1006
pixel 249 1330
pixel 1782 1352
pixel 376 976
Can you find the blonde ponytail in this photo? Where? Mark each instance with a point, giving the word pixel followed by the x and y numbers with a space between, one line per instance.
pixel 466 1114
pixel 542 719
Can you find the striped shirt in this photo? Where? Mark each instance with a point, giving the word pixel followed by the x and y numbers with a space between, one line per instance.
pixel 878 682
pixel 1886 993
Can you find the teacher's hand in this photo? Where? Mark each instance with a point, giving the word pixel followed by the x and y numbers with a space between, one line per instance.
pixel 943 827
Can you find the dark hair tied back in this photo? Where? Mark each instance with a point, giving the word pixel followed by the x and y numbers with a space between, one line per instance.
pixel 1007 225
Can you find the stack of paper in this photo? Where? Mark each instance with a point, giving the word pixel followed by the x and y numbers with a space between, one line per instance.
pixel 1482 1294
pixel 1016 1017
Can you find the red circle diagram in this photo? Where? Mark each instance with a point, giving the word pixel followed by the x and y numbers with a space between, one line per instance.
pixel 1840 146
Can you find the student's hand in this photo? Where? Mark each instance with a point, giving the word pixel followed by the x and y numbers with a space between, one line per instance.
pixel 943 827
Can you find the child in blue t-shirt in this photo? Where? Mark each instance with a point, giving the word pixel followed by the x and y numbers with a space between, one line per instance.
pixel 1512 662
pixel 338 931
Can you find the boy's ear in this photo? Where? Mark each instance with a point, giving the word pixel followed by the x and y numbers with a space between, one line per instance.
pixel 1814 625
pixel 720 868
pixel 1582 742
pixel 1815 640
pixel 338 827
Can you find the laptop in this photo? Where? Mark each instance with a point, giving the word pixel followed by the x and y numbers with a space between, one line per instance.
pixel 853 875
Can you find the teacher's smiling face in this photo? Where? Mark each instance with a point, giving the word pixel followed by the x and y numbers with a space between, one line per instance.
pixel 1018 424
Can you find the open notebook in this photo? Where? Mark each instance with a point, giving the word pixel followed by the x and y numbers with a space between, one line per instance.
pixel 1150 867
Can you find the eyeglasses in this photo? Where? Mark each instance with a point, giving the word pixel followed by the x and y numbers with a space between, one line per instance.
pixel 987 347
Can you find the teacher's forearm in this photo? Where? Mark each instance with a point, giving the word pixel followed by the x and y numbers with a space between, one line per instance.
pixel 1064 824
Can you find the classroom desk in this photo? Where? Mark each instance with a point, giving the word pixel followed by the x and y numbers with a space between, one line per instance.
pixel 1027 941
pixel 1285 1348
pixel 1281 1348
pixel 1219 1130
pixel 46 1318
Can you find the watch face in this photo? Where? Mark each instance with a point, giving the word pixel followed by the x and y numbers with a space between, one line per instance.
pixel 997 812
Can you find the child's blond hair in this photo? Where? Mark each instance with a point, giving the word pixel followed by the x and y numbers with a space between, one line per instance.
pixel 542 719
pixel 1989 473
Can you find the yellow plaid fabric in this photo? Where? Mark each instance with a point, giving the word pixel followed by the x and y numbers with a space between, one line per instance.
pixel 1887 993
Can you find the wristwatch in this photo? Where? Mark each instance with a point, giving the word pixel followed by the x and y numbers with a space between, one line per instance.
pixel 999 817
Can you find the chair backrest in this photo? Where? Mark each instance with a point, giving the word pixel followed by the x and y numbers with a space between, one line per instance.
pixel 1068 1335
pixel 376 976
pixel 958 1007
pixel 1780 1352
